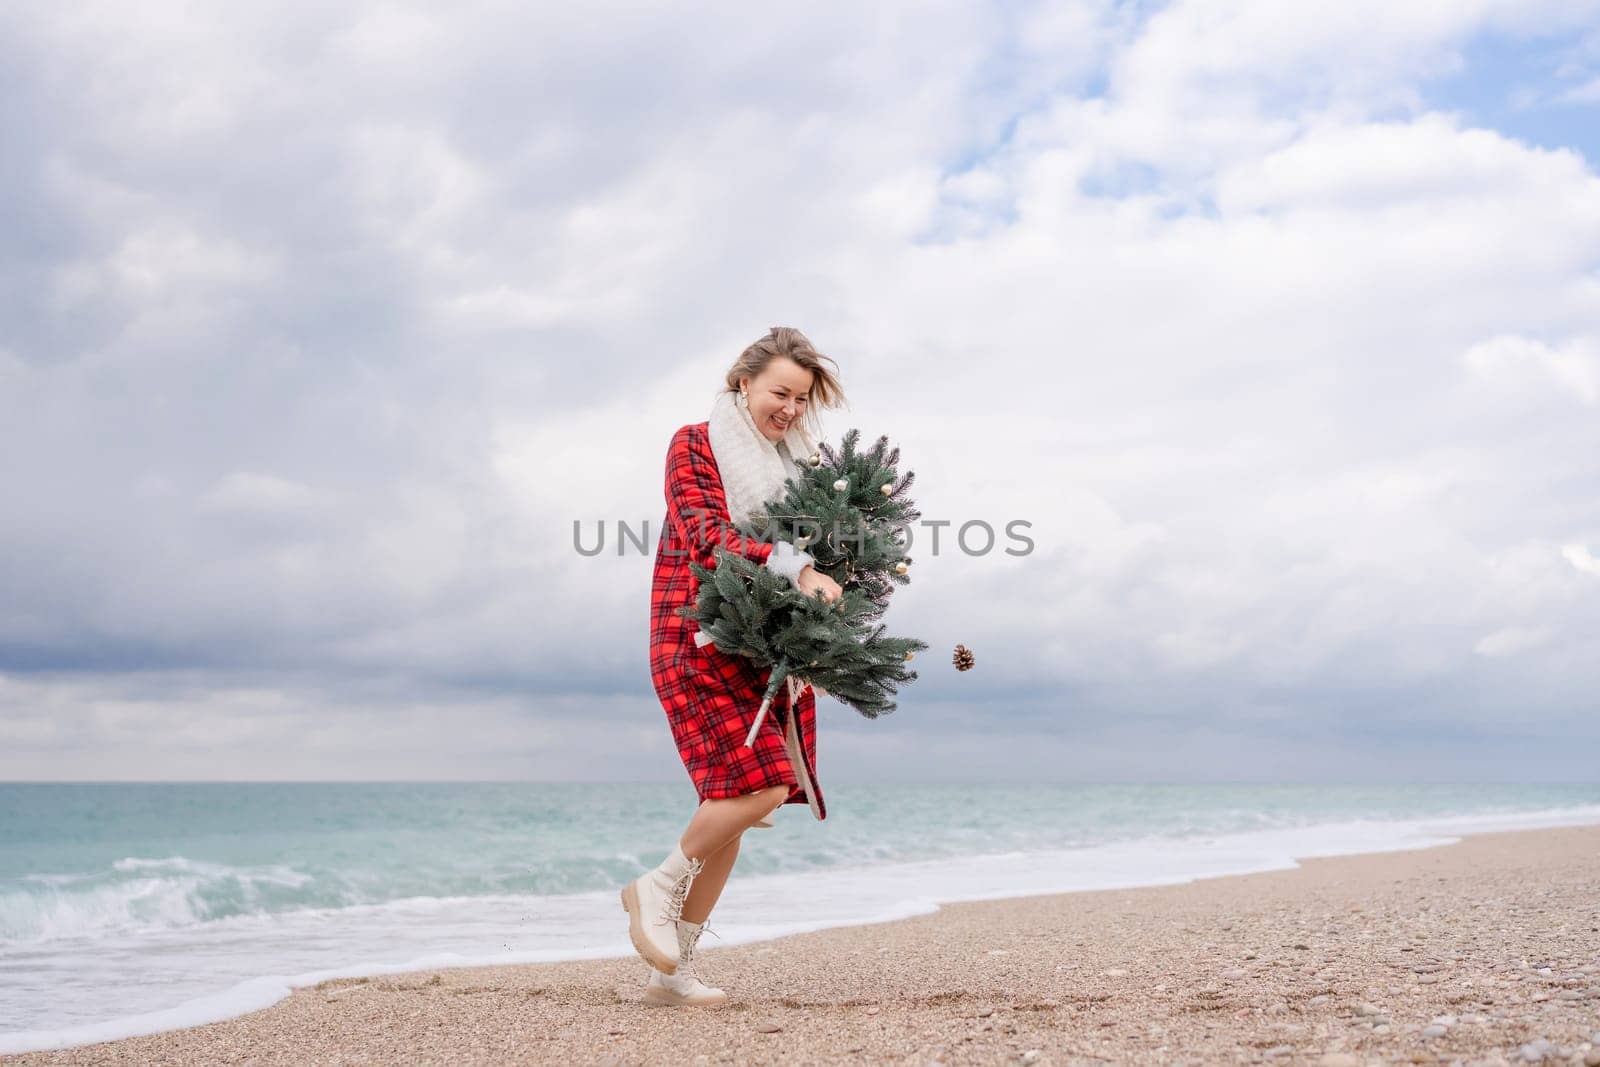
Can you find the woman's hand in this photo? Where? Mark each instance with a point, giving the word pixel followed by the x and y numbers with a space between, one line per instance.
pixel 812 579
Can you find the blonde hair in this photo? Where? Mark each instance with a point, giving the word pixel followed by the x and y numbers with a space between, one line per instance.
pixel 826 392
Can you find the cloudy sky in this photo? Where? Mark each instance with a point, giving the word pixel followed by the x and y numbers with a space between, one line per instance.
pixel 1280 325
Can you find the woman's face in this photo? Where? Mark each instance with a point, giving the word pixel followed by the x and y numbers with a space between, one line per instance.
pixel 778 396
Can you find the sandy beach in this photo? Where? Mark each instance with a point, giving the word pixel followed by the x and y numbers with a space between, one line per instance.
pixel 1482 952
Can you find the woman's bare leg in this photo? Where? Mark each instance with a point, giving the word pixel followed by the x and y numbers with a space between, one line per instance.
pixel 719 862
pixel 708 883
pixel 716 822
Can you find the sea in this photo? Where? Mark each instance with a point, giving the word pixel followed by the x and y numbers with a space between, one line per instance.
pixel 131 909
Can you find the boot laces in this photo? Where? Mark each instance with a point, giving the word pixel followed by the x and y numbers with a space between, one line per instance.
pixel 686 962
pixel 687 941
pixel 672 911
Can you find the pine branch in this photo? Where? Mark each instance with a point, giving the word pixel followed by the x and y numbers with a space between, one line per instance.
pixel 850 511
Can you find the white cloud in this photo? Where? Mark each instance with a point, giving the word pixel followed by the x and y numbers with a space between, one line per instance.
pixel 1573 365
pixel 1510 641
pixel 1587 93
pixel 1581 558
pixel 246 491
pixel 1294 378
pixel 1383 166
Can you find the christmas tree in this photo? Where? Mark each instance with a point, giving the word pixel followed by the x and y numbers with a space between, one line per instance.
pixel 849 509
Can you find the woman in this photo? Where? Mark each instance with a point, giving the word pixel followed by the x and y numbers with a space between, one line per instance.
pixel 719 473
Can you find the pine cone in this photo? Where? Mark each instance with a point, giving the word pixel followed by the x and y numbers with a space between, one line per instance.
pixel 963 658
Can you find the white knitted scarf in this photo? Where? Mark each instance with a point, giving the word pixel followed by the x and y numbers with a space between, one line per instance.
pixel 753 468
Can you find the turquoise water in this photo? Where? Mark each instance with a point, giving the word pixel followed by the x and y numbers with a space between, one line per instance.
pixel 119 899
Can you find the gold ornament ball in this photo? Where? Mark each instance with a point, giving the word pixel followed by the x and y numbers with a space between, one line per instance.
pixel 901 568
pixel 842 484
pixel 887 489
pixel 814 459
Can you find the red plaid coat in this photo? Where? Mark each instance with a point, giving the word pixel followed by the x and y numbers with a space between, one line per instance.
pixel 710 697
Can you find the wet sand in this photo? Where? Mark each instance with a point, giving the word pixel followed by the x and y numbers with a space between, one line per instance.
pixel 1482 952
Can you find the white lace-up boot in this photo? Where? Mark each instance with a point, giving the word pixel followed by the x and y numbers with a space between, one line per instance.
pixel 654 903
pixel 683 988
